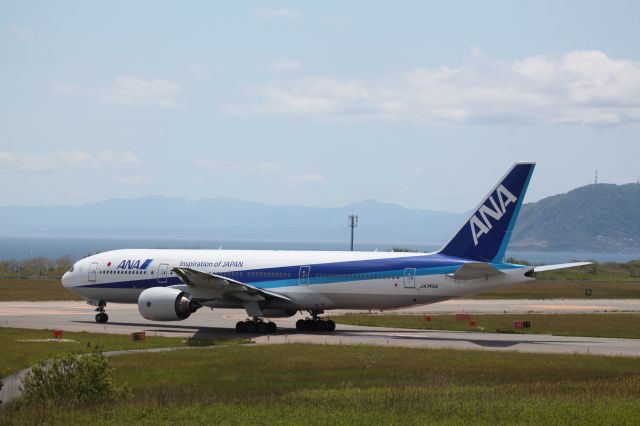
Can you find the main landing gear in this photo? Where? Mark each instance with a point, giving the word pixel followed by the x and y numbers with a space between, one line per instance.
pixel 101 316
pixel 256 325
pixel 315 323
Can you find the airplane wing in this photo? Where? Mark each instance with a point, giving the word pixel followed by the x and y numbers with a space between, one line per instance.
pixel 474 271
pixel 544 268
pixel 220 286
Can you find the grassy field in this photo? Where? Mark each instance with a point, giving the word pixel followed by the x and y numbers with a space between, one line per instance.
pixel 40 289
pixel 542 289
pixel 34 289
pixel 607 281
pixel 606 271
pixel 593 325
pixel 312 384
pixel 16 354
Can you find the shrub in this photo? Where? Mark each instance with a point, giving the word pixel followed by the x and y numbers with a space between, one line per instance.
pixel 72 379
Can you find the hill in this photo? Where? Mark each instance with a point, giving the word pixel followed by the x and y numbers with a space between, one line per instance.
pixel 224 218
pixel 597 218
pixel 594 218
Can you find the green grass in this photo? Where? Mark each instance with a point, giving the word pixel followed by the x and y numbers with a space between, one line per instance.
pixel 607 280
pixel 40 289
pixel 15 355
pixel 564 290
pixel 28 289
pixel 315 384
pixel 622 325
pixel 607 271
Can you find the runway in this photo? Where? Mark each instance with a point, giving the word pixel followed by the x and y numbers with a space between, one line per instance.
pixel 125 319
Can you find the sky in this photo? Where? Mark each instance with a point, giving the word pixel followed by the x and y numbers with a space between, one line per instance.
pixel 423 104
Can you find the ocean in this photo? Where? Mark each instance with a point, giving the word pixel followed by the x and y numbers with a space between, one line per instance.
pixel 77 248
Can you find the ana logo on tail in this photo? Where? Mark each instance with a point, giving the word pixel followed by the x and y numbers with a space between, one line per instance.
pixel 480 223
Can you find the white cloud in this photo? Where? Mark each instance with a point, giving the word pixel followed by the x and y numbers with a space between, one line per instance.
pixel 271 167
pixel 284 64
pixel 403 189
pixel 306 179
pixel 60 161
pixel 581 87
pixel 278 13
pixel 21 33
pixel 67 89
pixel 129 91
pixel 263 168
pixel 133 180
pixel 199 71
pixel 287 102
pixel 337 20
pixel 234 166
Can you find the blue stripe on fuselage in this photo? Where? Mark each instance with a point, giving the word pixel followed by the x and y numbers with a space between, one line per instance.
pixel 323 273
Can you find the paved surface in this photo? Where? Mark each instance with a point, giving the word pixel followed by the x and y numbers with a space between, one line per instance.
pixel 11 386
pixel 77 316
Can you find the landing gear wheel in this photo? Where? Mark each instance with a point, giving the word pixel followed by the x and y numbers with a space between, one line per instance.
pixel 256 326
pixel 312 325
pixel 101 316
pixel 315 323
pixel 241 326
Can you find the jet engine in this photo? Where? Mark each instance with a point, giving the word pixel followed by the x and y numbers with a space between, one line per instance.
pixel 166 304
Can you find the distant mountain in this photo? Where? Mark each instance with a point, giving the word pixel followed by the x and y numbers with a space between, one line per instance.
pixel 595 218
pixel 224 218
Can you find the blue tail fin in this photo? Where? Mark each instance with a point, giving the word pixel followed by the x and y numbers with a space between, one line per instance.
pixel 484 237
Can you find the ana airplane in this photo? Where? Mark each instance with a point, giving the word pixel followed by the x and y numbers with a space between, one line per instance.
pixel 170 285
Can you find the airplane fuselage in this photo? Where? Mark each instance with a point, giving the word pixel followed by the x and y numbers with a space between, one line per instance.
pixel 170 285
pixel 312 280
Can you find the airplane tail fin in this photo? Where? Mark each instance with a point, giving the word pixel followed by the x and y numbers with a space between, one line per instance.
pixel 484 237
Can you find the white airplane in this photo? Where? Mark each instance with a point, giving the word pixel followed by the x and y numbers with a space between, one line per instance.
pixel 170 285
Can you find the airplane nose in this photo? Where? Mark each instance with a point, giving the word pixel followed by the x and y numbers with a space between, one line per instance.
pixel 66 280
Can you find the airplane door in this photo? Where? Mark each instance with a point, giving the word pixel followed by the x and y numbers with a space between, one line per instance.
pixel 410 278
pixel 162 273
pixel 305 271
pixel 93 268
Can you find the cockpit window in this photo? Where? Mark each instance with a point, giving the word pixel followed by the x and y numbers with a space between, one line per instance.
pixel 71 270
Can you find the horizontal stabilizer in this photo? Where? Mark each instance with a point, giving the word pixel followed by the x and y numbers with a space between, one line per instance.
pixel 474 271
pixel 544 268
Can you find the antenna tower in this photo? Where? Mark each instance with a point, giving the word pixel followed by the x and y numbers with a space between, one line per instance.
pixel 353 223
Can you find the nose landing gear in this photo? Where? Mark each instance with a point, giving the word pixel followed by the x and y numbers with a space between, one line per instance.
pixel 101 316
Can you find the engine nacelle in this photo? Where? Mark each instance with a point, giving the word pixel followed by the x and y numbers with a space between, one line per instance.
pixel 166 304
pixel 278 313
